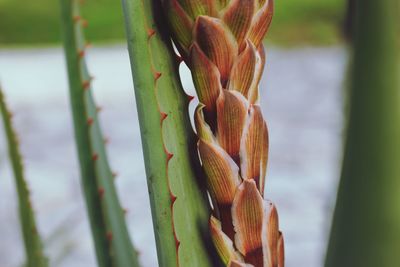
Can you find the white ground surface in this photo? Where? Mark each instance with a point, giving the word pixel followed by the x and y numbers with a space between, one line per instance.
pixel 301 99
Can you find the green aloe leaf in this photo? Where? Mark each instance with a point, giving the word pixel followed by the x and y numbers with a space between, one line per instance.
pixel 366 224
pixel 112 242
pixel 35 256
pixel 178 206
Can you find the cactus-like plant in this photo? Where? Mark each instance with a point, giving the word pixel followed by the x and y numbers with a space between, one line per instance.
pixel 112 242
pixel 35 256
pixel 221 42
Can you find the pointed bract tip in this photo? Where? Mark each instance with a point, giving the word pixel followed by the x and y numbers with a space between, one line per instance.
pixel 247 214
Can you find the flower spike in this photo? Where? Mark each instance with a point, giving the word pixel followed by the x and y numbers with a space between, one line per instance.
pixel 221 43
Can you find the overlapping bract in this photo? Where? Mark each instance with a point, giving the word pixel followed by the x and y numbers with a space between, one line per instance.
pixel 221 42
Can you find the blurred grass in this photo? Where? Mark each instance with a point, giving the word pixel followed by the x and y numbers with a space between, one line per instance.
pixel 302 22
pixel 27 22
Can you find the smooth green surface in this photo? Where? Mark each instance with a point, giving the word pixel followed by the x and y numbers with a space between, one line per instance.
pixel 110 234
pixel 33 243
pixel 366 225
pixel 36 22
pixel 187 217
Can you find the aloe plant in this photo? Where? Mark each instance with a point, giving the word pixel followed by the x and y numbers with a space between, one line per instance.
pixel 366 223
pixel 221 42
pixel 112 242
pixel 35 256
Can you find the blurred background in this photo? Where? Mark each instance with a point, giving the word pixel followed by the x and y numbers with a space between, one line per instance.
pixel 301 95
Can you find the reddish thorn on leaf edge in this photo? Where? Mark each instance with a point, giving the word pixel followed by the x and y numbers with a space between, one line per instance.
pixel 190 98
pixel 86 84
pixel 169 155
pixel 157 75
pixel 106 141
pixel 90 121
pixel 84 23
pixel 109 236
pixel 76 18
pixel 81 53
pixel 173 198
pixel 163 116
pixel 150 32
pixel 177 243
pixel 95 157
pixel 101 192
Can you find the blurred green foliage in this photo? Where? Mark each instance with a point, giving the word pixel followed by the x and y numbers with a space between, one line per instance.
pixel 38 22
pixel 27 22
pixel 317 22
